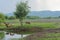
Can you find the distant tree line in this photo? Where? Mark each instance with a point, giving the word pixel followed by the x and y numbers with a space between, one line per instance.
pixel 3 16
pixel 51 17
pixel 10 17
pixel 32 17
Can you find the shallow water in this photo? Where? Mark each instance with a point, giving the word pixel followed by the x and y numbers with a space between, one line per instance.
pixel 8 37
pixel 15 36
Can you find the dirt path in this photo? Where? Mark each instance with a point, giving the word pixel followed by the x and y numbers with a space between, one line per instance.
pixel 57 30
pixel 34 36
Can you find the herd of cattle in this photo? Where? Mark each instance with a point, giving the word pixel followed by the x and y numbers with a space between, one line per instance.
pixel 8 25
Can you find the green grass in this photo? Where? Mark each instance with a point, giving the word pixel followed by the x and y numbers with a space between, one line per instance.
pixel 36 24
pixel 33 24
pixel 48 39
pixel 43 25
pixel 53 36
pixel 2 26
pixel 2 35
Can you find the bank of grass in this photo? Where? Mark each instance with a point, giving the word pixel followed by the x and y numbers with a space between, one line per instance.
pixel 2 26
pixel 36 24
pixel 2 35
pixel 48 36
pixel 51 36
pixel 43 25
pixel 33 24
pixel 48 39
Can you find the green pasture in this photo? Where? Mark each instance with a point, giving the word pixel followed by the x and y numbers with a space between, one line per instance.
pixel 54 36
pixel 33 24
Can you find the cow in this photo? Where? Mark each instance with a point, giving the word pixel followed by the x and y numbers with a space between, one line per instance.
pixel 27 22
pixel 8 25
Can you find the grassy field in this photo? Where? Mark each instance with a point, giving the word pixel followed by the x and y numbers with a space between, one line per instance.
pixel 45 23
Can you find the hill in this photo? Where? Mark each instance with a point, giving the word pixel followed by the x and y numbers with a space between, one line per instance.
pixel 41 13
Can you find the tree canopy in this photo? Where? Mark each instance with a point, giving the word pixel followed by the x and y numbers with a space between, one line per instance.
pixel 22 9
pixel 2 17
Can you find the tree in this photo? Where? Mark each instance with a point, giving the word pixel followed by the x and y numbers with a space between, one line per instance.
pixel 58 16
pixel 2 17
pixel 12 17
pixel 6 17
pixel 48 17
pixel 22 9
pixel 33 17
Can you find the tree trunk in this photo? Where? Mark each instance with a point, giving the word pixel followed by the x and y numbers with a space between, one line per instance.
pixel 21 22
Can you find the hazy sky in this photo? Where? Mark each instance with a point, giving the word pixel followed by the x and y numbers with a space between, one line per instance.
pixel 9 6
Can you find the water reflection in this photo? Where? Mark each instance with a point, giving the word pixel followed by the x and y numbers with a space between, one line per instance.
pixel 10 36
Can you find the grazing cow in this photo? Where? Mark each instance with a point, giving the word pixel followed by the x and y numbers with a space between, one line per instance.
pixel 27 22
pixel 8 25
